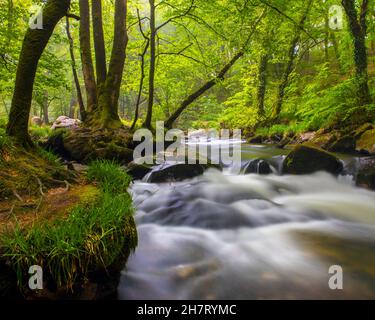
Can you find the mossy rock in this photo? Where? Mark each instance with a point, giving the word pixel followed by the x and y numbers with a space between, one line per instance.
pixel 306 160
pixel 85 145
pixel 177 172
pixel 324 140
pixel 257 166
pixel 357 133
pixel 366 143
pixel 138 171
pixel 257 139
pixel 345 144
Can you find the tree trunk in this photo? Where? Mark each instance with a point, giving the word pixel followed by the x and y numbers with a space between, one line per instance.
pixel 105 114
pixel 151 90
pixel 100 56
pixel 87 64
pixel 292 54
pixel 33 46
pixel 326 39
pixel 208 85
pixel 45 105
pixel 358 29
pixel 139 97
pixel 262 84
pixel 73 103
pixel 82 110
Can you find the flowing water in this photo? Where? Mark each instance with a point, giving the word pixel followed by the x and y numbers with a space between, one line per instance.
pixel 225 236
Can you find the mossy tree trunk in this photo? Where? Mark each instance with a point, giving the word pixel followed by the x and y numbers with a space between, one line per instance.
pixel 358 30
pixel 34 43
pixel 86 58
pixel 151 88
pixel 82 109
pixel 104 112
pixel 100 55
pixel 203 89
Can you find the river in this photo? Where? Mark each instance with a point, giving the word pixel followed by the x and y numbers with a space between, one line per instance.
pixel 230 236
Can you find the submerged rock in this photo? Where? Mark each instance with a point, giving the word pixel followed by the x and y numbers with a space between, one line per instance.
pixel 305 160
pixel 258 166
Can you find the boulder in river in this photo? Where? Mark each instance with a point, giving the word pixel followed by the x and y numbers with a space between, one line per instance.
pixel 305 160
pixel 176 172
pixel 257 166
pixel 138 171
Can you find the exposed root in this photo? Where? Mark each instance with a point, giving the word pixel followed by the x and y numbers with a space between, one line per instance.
pixel 17 195
pixel 40 186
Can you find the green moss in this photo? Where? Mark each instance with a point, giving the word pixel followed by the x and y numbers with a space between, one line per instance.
pixel 367 141
pixel 307 159
pixel 93 238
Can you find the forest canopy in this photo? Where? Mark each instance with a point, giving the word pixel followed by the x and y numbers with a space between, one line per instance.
pixel 275 64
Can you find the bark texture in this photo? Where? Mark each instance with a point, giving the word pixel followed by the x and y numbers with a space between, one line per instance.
pixel 34 43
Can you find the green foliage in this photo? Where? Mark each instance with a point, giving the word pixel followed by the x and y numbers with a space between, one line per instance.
pixel 92 238
pixel 48 156
pixel 282 129
pixel 38 133
pixel 4 139
pixel 109 176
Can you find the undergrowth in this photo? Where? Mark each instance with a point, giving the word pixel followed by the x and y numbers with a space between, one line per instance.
pixel 91 238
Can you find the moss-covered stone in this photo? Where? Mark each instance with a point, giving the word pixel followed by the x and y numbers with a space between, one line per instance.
pixel 85 145
pixel 345 144
pixel 306 159
pixel 367 142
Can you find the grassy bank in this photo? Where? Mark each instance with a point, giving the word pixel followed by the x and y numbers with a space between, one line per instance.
pixel 95 237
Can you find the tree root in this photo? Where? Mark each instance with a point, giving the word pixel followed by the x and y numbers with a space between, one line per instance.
pixel 17 195
pixel 40 186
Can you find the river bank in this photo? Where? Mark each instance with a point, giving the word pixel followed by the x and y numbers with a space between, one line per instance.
pixel 79 230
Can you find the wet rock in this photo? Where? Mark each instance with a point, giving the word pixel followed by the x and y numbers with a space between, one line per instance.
pixel 345 144
pixel 138 171
pixel 305 160
pixel 256 140
pixel 366 173
pixel 258 166
pixel 177 172
pixel 66 123
pixel 366 143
